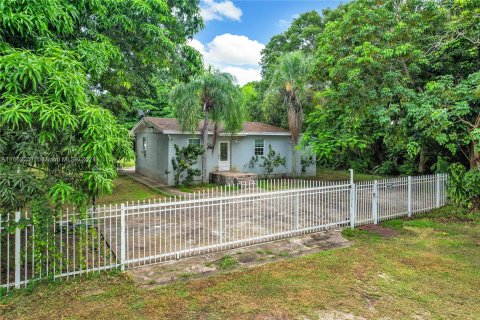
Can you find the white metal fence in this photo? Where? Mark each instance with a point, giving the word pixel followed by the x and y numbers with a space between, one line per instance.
pixel 135 234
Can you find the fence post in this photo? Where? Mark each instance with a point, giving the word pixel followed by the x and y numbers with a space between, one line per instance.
pixel 221 224
pixel 409 197
pixel 122 237
pixel 353 200
pixel 375 202
pixel 17 251
pixel 297 211
pixel 437 192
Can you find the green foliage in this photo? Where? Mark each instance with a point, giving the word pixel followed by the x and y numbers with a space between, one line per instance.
pixel 252 99
pixel 153 53
pixel 56 143
pixel 307 161
pixel 301 35
pixel 227 262
pixel 396 82
pixel 463 187
pixel 270 162
pixel 62 66
pixel 185 159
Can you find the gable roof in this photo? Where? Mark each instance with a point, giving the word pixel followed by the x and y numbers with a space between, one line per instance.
pixel 171 126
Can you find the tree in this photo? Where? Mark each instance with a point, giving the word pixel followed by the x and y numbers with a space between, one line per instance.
pixel 373 59
pixel 301 35
pixel 450 115
pixel 290 85
pixel 141 46
pixel 213 96
pixel 56 144
pixel 251 97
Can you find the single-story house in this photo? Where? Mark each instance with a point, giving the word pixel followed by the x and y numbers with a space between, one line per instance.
pixel 155 139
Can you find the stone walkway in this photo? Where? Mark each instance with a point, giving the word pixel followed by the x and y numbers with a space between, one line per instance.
pixel 153 275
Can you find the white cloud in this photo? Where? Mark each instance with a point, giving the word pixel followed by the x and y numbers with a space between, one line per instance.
pixel 234 54
pixel 244 75
pixel 197 45
pixel 233 49
pixel 212 10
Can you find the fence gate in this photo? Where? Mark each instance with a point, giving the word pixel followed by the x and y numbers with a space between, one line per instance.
pixel 136 234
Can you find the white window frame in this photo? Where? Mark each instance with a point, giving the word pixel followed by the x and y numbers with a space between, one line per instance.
pixel 194 143
pixel 255 147
pixel 144 146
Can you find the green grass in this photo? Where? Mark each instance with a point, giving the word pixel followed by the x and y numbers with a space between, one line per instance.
pixel 431 270
pixel 126 189
pixel 127 164
pixel 338 175
pixel 227 262
pixel 204 187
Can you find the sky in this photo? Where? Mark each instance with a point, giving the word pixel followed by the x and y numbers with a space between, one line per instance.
pixel 236 31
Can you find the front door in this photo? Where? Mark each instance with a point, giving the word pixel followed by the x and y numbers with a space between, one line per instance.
pixel 224 157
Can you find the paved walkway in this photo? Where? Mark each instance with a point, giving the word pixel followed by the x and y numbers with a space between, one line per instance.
pixel 207 264
pixel 152 183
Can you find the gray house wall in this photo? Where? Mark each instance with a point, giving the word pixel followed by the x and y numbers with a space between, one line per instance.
pixel 154 162
pixel 160 150
pixel 241 151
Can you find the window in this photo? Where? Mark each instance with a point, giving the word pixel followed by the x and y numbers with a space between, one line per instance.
pixel 223 151
pixel 144 150
pixel 194 141
pixel 259 147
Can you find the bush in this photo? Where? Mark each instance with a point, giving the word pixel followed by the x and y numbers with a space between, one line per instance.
pixel 386 168
pixel 270 162
pixel 306 161
pixel 464 187
pixel 185 159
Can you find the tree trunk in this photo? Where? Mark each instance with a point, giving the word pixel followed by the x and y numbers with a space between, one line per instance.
pixel 474 156
pixel 205 146
pixel 294 160
pixel 422 161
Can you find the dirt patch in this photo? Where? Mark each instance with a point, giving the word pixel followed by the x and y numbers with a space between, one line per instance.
pixel 246 257
pixel 383 232
pixel 336 315
pixel 272 315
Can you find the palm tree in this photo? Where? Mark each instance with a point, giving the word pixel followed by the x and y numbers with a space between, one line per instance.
pixel 213 96
pixel 290 85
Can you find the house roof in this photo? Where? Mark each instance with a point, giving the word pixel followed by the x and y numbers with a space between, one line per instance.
pixel 171 126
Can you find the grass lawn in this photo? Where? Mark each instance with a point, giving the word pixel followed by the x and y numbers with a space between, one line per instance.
pixel 431 269
pixel 126 189
pixel 203 187
pixel 338 175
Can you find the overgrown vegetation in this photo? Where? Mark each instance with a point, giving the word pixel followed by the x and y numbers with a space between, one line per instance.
pixel 70 74
pixel 396 85
pixel 464 187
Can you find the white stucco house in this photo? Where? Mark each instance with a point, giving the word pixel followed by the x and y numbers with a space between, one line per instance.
pixel 155 139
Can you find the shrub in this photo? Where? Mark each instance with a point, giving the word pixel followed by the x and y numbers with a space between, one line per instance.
pixel 306 161
pixel 270 162
pixel 464 187
pixel 386 168
pixel 185 159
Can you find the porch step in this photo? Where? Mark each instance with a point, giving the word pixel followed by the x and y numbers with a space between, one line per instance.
pixel 244 179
